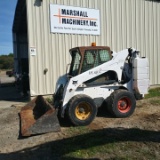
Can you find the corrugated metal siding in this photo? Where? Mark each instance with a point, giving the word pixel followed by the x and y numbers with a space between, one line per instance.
pixel 124 23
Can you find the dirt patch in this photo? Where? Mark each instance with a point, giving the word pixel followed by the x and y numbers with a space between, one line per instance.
pixel 146 116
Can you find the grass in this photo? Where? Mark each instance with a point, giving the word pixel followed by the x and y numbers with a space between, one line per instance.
pixel 116 144
pixel 49 100
pixel 155 92
pixel 153 96
pixel 78 130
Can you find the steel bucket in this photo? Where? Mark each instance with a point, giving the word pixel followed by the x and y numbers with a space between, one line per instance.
pixel 38 117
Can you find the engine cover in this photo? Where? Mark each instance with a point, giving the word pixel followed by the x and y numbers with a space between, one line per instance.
pixel 141 75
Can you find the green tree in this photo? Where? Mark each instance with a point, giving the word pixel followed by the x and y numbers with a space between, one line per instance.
pixel 7 61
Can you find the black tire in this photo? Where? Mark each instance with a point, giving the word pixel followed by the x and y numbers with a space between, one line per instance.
pixel 121 103
pixel 81 110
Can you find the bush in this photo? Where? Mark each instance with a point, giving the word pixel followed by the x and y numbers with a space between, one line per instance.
pixel 6 61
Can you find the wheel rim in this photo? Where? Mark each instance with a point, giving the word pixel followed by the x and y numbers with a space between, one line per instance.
pixel 124 105
pixel 83 111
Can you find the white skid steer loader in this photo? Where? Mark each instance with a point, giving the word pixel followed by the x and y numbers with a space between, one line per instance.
pixel 97 76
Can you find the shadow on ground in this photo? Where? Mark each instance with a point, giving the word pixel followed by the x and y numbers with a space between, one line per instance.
pixel 58 149
pixel 9 92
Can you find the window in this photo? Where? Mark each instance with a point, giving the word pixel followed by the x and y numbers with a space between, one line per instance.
pixel 104 56
pixel 94 58
pixel 76 58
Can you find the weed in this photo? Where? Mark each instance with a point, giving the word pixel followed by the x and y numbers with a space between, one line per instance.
pixel 153 93
pixel 49 100
pixel 78 130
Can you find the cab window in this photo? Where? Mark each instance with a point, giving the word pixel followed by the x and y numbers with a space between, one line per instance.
pixel 94 58
pixel 76 58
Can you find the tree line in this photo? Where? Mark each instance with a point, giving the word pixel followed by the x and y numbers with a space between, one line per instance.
pixel 7 61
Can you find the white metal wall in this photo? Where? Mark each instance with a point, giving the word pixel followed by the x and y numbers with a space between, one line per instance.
pixel 124 23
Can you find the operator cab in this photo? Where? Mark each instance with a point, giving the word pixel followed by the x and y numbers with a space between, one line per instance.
pixel 86 58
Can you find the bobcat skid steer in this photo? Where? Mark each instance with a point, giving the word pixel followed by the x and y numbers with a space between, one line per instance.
pixel 96 76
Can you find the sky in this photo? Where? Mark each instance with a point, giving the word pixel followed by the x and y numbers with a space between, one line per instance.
pixel 7 10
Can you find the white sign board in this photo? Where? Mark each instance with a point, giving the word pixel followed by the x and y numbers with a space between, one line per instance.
pixel 74 20
pixel 32 51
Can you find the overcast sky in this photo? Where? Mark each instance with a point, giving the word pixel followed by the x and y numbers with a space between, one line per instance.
pixel 7 9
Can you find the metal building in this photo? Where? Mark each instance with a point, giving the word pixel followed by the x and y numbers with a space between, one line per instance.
pixel 42 50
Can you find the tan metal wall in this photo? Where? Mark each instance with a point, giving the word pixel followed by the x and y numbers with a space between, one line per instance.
pixel 124 23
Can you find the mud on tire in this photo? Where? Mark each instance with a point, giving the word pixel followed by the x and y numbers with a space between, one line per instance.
pixel 121 103
pixel 81 110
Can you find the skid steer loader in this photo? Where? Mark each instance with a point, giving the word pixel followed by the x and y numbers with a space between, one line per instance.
pixel 96 76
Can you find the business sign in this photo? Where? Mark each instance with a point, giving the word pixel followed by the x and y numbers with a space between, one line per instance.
pixel 74 20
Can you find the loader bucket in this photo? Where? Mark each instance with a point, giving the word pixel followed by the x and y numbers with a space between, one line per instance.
pixel 37 117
